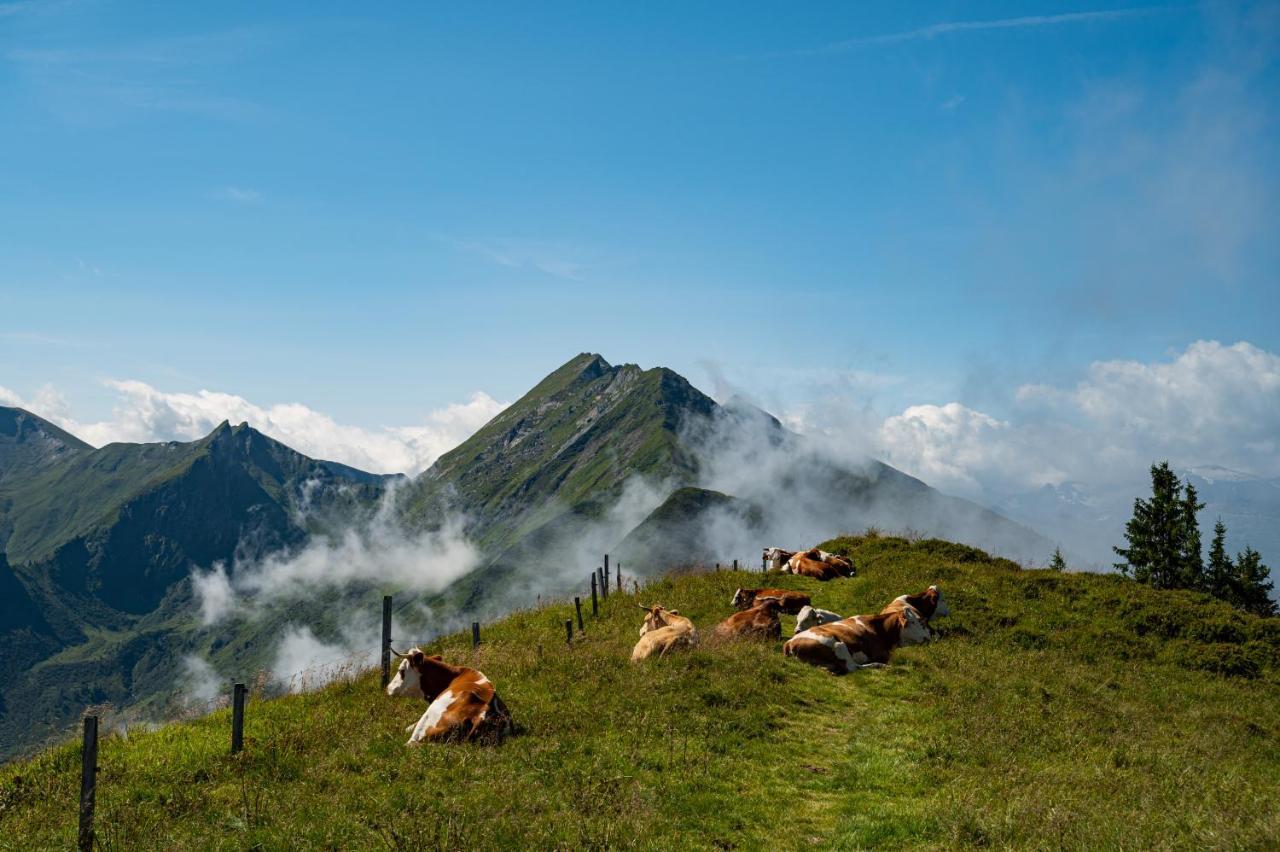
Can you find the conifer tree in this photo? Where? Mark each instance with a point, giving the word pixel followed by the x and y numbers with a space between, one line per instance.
pixel 1253 584
pixel 1220 574
pixel 1154 533
pixel 1056 562
pixel 1191 554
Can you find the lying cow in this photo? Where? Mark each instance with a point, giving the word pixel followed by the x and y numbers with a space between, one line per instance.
pixel 863 641
pixel 842 563
pixel 462 703
pixel 792 602
pixel 663 630
pixel 810 616
pixel 776 558
pixel 928 604
pixel 759 622
pixel 807 565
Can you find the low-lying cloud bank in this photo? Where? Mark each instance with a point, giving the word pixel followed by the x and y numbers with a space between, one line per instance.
pixel 143 413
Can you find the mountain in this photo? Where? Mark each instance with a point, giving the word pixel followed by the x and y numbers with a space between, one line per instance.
pixel 98 545
pixel 596 458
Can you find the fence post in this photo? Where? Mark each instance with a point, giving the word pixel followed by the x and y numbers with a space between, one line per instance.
pixel 604 587
pixel 618 570
pixel 568 631
pixel 88 781
pixel 764 565
pixel 237 717
pixel 735 565
pixel 606 575
pixel 386 640
pixel 475 634
pixel 595 607
pixel 577 605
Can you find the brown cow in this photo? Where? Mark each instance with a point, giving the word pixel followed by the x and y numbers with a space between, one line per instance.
pixel 759 622
pixel 463 705
pixel 860 642
pixel 843 564
pixel 928 604
pixel 807 566
pixel 663 630
pixel 792 602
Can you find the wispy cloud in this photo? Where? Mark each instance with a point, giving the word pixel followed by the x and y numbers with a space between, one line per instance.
pixel 238 194
pixel 952 103
pixel 945 28
pixel 548 258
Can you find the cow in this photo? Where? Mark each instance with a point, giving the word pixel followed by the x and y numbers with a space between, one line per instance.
pixel 843 564
pixel 759 622
pixel 929 604
pixel 864 641
pixel 663 630
pixel 462 703
pixel 792 602
pixel 810 616
pixel 811 566
pixel 776 558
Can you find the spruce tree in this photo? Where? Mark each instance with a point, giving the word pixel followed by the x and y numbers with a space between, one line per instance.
pixel 1154 533
pixel 1220 575
pixel 1253 584
pixel 1191 554
pixel 1056 562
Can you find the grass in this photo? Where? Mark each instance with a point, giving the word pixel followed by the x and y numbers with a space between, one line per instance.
pixel 1073 711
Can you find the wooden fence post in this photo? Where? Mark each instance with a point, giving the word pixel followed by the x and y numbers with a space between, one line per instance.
pixel 88 781
pixel 618 570
pixel 604 587
pixel 595 607
pixel 606 575
pixel 237 717
pixel 386 640
pixel 475 634
pixel 735 565
pixel 577 605
pixel 568 631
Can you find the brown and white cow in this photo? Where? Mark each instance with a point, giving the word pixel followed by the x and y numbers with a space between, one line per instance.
pixel 929 604
pixel 792 602
pixel 759 622
pixel 842 563
pixel 663 630
pixel 776 557
pixel 807 565
pixel 811 616
pixel 462 703
pixel 860 642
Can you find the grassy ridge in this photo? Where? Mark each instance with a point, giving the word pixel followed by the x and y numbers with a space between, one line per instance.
pixel 1057 710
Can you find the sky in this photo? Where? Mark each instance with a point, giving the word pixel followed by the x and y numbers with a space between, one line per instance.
pixel 998 244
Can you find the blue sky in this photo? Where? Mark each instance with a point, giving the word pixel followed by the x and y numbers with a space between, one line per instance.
pixel 377 210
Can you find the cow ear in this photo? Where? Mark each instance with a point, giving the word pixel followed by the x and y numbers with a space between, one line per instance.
pixel 436 657
pixel 416 658
pixel 674 611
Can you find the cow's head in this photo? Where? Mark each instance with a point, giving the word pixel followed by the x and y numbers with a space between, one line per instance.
pixel 914 630
pixel 419 674
pixel 940 605
pixel 743 598
pixel 812 617
pixel 769 606
pixel 657 617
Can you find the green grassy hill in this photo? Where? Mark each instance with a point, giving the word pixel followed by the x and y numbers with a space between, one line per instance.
pixel 1055 710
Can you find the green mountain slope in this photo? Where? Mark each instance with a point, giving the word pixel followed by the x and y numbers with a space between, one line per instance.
pixel 98 546
pixel 1055 710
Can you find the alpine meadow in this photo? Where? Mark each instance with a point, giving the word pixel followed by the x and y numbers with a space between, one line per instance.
pixel 717 426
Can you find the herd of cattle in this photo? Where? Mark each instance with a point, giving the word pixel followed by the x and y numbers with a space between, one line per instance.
pixel 463 704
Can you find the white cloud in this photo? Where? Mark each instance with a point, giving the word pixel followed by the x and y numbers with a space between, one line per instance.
pixel 1210 404
pixel 213 591
pixel 144 413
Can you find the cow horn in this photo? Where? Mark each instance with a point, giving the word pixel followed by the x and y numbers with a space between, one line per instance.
pixel 397 653
pixel 642 606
